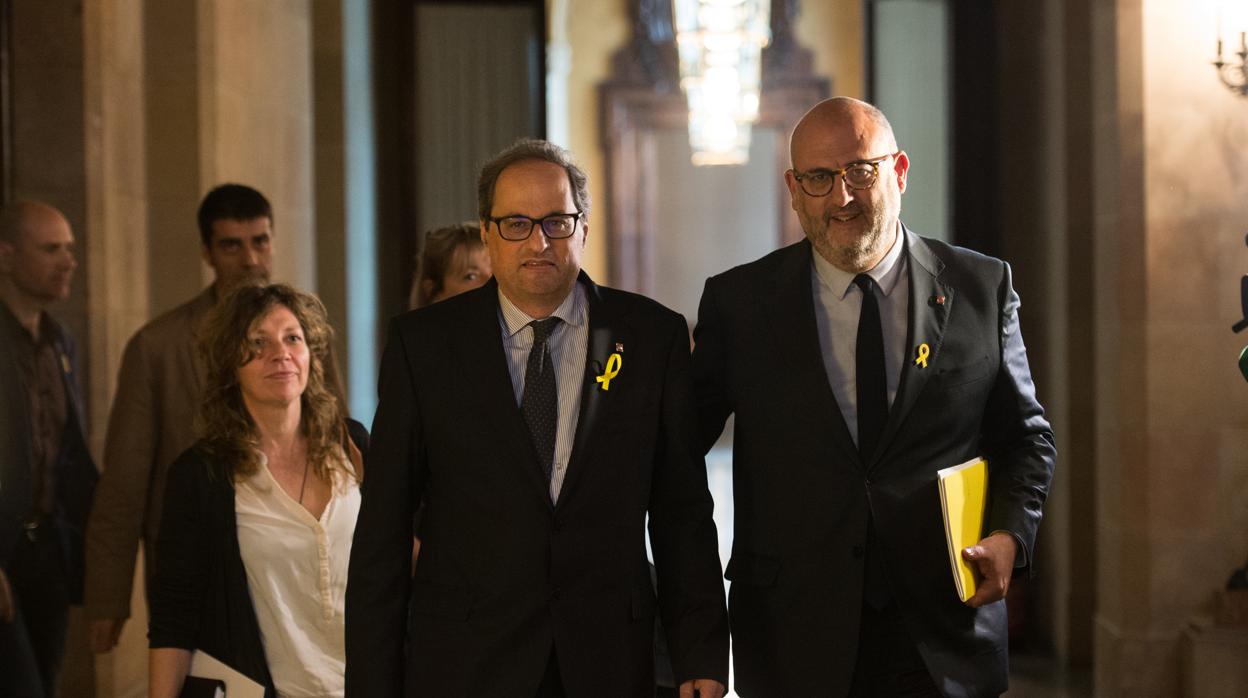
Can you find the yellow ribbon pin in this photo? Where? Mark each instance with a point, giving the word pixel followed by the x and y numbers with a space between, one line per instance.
pixel 924 352
pixel 613 370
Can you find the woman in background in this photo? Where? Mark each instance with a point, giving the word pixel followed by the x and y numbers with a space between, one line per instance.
pixel 452 260
pixel 251 562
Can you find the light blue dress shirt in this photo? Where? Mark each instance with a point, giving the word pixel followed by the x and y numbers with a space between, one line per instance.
pixel 838 303
pixel 569 342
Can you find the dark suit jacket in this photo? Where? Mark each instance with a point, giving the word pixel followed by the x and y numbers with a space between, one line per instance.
pixel 76 473
pixel 803 495
pixel 504 576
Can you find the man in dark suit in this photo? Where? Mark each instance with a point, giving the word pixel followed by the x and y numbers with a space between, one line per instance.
pixel 46 473
pixel 858 363
pixel 539 420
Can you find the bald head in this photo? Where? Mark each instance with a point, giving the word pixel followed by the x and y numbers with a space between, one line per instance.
pixel 843 150
pixel 846 120
pixel 36 255
pixel 20 217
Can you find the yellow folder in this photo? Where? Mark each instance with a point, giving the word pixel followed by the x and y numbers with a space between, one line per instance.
pixel 963 495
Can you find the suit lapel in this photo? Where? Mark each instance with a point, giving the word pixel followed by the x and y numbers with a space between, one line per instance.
pixel 794 326
pixel 606 330
pixel 930 303
pixel 485 362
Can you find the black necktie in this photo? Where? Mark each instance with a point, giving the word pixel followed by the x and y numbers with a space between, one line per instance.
pixel 872 415
pixel 540 402
pixel 871 378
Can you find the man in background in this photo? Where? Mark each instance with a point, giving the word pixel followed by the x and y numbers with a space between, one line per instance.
pixel 46 473
pixel 158 393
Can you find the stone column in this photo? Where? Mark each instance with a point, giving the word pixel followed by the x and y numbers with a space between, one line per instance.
pixel 1171 196
pixel 255 117
pixel 117 251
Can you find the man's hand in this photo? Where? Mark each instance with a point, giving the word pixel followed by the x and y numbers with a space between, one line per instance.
pixel 6 599
pixel 705 688
pixel 104 633
pixel 993 557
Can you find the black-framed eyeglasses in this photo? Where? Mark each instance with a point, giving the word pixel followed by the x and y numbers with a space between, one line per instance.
pixel 555 226
pixel 857 175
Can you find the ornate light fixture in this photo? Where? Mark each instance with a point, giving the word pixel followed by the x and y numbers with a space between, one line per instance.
pixel 1233 73
pixel 720 44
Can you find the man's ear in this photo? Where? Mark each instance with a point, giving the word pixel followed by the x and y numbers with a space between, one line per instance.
pixel 901 168
pixel 792 184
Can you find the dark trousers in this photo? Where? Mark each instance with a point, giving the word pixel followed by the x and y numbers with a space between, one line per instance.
pixel 889 664
pixel 552 683
pixel 33 644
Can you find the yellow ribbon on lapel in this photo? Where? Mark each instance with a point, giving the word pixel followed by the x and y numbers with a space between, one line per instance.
pixel 924 352
pixel 613 370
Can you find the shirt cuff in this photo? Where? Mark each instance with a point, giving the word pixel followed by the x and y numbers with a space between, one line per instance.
pixel 1020 556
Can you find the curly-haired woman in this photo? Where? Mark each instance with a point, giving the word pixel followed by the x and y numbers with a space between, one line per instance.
pixel 251 563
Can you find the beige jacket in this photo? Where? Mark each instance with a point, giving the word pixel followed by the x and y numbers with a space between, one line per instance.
pixel 158 394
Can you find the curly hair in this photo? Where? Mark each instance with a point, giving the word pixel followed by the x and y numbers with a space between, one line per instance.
pixel 225 427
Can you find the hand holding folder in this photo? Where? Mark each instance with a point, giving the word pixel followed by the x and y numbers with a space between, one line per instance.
pixel 963 496
pixel 981 567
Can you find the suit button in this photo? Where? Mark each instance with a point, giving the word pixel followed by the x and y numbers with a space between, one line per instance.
pixel 554 594
pixel 857 550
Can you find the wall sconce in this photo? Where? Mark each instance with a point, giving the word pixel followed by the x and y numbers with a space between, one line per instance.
pixel 1233 72
pixel 720 44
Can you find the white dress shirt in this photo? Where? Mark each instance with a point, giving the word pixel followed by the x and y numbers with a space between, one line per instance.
pixel 569 342
pixel 297 574
pixel 838 303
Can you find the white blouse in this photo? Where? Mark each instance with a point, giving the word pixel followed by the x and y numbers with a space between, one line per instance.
pixel 297 574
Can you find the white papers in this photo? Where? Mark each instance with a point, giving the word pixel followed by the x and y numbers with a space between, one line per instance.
pixel 237 685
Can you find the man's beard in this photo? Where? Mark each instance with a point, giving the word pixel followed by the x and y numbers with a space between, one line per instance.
pixel 855 255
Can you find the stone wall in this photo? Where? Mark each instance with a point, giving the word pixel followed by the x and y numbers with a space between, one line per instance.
pixel 1172 211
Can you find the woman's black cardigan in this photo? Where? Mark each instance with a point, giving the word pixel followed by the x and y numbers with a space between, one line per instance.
pixel 199 599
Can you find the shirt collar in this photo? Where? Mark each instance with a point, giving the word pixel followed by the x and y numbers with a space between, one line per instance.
pixel 885 274
pixel 47 330
pixel 571 310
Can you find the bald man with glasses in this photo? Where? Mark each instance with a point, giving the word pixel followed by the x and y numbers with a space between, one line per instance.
pixel 858 363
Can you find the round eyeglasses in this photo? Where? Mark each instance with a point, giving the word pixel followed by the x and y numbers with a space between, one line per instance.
pixel 555 226
pixel 857 176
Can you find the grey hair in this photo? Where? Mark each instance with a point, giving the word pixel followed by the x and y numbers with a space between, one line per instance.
pixel 530 149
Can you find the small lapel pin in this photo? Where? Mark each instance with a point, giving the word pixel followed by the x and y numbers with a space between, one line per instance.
pixel 923 351
pixel 65 364
pixel 613 370
pixel 938 300
pixel 619 347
